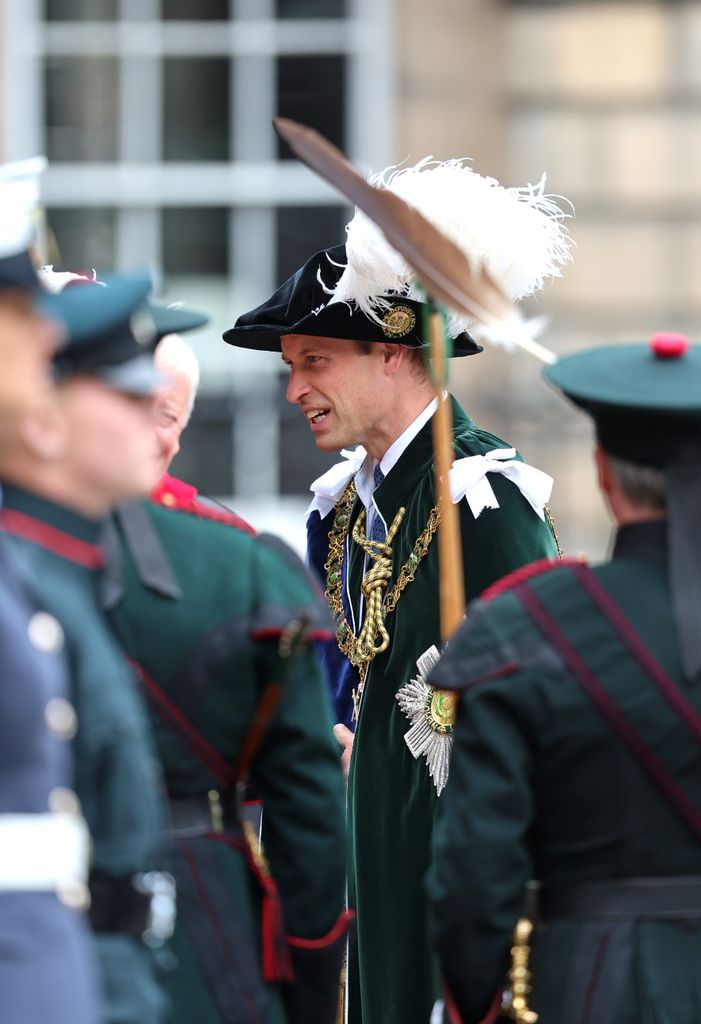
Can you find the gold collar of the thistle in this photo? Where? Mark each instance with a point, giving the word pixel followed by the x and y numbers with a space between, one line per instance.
pixel 373 638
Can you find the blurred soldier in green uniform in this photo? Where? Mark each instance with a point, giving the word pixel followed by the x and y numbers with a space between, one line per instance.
pixel 85 447
pixel 350 327
pixel 47 963
pixel 577 757
pixel 203 608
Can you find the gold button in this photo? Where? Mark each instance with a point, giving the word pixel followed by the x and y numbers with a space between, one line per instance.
pixel 75 895
pixel 63 801
pixel 45 633
pixel 168 499
pixel 60 716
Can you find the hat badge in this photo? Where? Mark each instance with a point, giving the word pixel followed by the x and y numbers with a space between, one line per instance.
pixel 398 321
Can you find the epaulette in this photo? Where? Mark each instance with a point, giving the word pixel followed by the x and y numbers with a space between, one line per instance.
pixel 203 510
pixel 181 497
pixel 526 572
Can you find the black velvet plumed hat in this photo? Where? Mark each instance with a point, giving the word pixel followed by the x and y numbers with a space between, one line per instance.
pixel 301 306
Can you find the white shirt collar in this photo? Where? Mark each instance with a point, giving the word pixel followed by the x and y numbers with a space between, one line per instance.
pixel 365 481
pixel 468 476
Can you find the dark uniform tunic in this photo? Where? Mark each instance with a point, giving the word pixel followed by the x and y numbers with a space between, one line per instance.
pixel 543 787
pixel 392 800
pixel 205 636
pixel 115 768
pixel 47 969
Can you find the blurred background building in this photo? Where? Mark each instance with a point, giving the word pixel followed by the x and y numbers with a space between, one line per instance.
pixel 155 115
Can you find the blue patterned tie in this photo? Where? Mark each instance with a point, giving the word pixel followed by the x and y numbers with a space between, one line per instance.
pixel 378 531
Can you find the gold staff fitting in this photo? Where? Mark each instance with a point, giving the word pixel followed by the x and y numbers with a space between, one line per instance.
pixel 515 1004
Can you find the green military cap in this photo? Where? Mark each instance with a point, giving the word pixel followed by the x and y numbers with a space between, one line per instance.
pixel 646 403
pixel 175 319
pixel 644 398
pixel 112 329
pixel 110 334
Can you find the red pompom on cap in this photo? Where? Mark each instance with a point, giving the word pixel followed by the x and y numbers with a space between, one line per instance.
pixel 669 345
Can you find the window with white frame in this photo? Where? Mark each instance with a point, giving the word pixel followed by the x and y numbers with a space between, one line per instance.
pixel 156 117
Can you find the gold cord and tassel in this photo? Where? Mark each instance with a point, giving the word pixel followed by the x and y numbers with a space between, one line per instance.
pixel 373 638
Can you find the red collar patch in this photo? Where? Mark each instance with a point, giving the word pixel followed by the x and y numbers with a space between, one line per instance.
pixel 80 552
pixel 172 493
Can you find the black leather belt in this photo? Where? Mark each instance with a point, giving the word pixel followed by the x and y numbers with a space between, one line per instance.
pixel 678 896
pixel 141 905
pixel 200 815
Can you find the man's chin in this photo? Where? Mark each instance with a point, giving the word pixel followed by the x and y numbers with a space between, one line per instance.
pixel 327 444
pixel 332 441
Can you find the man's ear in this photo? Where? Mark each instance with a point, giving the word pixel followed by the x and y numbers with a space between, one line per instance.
pixel 604 471
pixel 43 430
pixel 393 357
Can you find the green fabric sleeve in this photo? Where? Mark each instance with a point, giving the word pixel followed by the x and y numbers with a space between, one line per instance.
pixel 298 774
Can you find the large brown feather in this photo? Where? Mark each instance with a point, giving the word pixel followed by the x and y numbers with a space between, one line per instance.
pixel 441 267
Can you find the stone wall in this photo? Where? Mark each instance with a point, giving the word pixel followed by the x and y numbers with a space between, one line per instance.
pixel 607 98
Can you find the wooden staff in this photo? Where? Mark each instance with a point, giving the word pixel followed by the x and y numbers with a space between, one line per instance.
pixel 452 588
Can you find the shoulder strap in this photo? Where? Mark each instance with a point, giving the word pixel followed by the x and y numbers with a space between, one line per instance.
pixel 640 652
pixel 523 573
pixel 605 704
pixel 171 716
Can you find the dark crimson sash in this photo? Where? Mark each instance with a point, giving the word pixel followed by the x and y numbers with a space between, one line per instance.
pixel 603 701
pixel 276 960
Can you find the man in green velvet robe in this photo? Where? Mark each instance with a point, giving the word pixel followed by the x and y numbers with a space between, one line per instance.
pixel 357 372
pixel 577 758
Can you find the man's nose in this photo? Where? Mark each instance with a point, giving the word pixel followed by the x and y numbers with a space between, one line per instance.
pixel 297 387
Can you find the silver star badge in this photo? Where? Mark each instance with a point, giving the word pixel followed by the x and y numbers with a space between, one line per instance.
pixel 432 714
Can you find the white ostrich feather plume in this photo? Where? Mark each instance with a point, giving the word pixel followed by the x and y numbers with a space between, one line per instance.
pixel 518 234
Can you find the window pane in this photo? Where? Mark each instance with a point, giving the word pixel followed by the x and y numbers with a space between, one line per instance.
pixel 303 230
pixel 81 108
pixel 195 10
pixel 196 108
pixel 300 460
pixel 85 239
pixel 195 240
pixel 311 8
pixel 81 10
pixel 206 454
pixel 312 90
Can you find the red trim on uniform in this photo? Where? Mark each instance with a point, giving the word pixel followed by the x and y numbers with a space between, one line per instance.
pixel 494 1011
pixel 277 964
pixel 454 1016
pixel 172 492
pixel 217 515
pixel 451 1008
pixel 80 552
pixel 337 932
pixel 606 705
pixel 523 573
pixel 507 669
pixel 211 914
pixel 208 756
pixel 181 497
pixel 643 655
pixel 275 632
